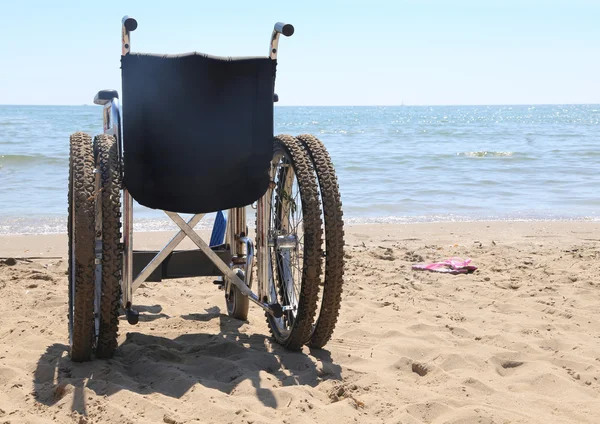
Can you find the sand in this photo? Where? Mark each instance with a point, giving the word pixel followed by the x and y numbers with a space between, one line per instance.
pixel 518 341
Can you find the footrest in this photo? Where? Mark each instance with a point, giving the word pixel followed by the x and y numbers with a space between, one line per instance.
pixel 179 264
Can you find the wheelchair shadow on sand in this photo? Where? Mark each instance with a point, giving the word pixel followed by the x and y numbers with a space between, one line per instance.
pixel 153 152
pixel 147 364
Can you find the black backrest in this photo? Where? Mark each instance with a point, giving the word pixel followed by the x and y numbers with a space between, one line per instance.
pixel 197 130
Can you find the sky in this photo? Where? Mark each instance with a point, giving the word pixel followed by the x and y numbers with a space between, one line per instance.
pixel 375 52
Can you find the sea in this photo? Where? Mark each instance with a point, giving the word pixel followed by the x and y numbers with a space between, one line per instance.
pixel 400 164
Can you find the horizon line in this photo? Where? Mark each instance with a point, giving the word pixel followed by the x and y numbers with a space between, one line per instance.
pixel 357 105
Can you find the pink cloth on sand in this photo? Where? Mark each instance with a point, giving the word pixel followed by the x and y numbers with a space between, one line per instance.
pixel 451 266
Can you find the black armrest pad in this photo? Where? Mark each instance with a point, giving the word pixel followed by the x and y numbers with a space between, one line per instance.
pixel 105 96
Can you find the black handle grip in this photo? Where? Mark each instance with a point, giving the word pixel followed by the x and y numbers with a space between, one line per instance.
pixel 129 23
pixel 285 29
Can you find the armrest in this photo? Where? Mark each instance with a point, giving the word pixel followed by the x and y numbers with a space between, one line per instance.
pixel 105 96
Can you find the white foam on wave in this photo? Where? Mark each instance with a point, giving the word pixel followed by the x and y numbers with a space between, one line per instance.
pixel 58 225
pixel 457 218
pixel 483 154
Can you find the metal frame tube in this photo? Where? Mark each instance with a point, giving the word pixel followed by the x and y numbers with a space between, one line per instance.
pixel 125 41
pixel 114 129
pixel 112 118
pixel 222 266
pixel 160 256
pixel 288 185
pixel 240 229
pixel 274 45
pixel 263 215
pixel 228 229
pixel 241 247
pixel 127 287
pixel 112 126
pixel 280 28
pixel 249 260
pixel 128 24
pixel 261 248
pixel 232 231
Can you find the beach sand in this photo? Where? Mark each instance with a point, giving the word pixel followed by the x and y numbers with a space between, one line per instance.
pixel 518 341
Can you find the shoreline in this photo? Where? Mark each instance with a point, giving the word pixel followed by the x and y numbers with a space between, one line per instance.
pixel 152 225
pixel 46 245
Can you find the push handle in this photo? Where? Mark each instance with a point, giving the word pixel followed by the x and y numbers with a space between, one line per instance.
pixel 128 24
pixel 131 24
pixel 285 29
pixel 280 28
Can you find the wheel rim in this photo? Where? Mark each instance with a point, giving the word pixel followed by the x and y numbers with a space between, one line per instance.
pixel 285 244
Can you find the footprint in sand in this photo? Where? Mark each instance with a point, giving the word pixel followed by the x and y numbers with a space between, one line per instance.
pixel 384 253
pixel 413 257
pixel 511 364
pixel 505 367
pixel 428 412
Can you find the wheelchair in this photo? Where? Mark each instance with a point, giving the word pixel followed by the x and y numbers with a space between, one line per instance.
pixel 194 135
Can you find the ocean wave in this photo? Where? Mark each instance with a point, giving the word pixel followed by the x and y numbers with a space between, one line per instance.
pixel 388 160
pixel 13 123
pixel 31 160
pixel 483 154
pixel 445 218
pixel 58 225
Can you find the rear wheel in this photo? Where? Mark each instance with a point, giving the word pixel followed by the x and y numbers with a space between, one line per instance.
pixel 81 247
pixel 294 243
pixel 112 259
pixel 334 241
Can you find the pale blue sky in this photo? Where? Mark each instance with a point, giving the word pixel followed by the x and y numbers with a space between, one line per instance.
pixel 374 52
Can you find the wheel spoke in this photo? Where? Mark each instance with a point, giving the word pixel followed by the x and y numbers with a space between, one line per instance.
pixel 291 247
pixel 286 221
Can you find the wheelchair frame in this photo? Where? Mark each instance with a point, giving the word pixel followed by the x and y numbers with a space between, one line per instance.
pixel 286 236
pixel 241 246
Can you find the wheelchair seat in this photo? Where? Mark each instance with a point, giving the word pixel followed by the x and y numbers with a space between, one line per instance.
pixel 197 130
